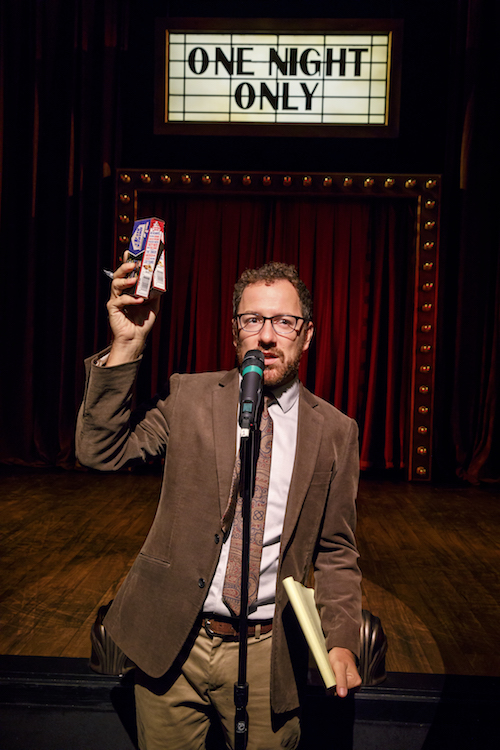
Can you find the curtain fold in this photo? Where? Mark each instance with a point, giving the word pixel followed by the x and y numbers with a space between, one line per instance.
pixel 476 402
pixel 60 84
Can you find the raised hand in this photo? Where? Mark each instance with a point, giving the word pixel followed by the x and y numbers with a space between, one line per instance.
pixel 131 318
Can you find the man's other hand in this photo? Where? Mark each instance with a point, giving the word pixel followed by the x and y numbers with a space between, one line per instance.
pixel 344 667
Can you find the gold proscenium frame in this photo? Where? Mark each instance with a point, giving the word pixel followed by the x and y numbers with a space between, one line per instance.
pixel 424 189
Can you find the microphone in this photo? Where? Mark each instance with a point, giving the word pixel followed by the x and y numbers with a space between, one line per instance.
pixel 252 371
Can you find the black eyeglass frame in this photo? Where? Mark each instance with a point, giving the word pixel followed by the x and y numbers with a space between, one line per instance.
pixel 264 318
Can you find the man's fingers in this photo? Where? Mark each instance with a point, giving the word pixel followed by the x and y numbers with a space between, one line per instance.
pixel 346 680
pixel 124 269
pixel 353 680
pixel 120 284
pixel 346 673
pixel 341 678
pixel 124 300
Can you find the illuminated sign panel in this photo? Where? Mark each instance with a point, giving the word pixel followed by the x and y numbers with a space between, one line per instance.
pixel 288 78
pixel 278 78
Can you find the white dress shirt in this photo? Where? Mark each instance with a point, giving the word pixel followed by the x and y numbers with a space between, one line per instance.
pixel 284 413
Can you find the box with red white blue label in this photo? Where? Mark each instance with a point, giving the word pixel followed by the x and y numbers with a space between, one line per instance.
pixel 147 246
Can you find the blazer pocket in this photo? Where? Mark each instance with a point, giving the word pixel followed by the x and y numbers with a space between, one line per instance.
pixel 153 561
pixel 148 576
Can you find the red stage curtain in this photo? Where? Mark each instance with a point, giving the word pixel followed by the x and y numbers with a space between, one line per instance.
pixel 354 255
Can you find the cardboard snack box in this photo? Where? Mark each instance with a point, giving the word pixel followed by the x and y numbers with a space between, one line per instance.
pixel 147 245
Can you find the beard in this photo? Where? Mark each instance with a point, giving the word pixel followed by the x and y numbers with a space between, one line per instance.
pixel 281 372
pixel 278 373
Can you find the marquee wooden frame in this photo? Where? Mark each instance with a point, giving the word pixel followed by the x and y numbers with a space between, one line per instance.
pixel 424 189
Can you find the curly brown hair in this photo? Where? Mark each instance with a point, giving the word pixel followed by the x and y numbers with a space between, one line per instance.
pixel 269 273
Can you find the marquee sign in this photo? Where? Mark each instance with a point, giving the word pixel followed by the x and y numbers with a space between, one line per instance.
pixel 322 77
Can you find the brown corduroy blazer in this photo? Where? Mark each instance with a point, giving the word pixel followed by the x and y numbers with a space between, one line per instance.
pixel 195 429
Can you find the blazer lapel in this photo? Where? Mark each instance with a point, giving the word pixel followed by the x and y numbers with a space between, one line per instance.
pixel 225 411
pixel 309 434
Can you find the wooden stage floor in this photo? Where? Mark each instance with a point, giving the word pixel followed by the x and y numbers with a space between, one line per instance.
pixel 429 555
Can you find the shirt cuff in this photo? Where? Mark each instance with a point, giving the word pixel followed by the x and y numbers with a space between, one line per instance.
pixel 101 361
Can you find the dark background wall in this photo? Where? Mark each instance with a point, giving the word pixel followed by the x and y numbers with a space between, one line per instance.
pixel 428 106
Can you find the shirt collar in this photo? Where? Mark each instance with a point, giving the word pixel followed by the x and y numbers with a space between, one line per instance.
pixel 286 395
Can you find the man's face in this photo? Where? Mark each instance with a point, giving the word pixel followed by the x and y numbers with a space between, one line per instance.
pixel 281 353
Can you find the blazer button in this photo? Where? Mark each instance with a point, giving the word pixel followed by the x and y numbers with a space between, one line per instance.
pixel 201 583
pixel 217 539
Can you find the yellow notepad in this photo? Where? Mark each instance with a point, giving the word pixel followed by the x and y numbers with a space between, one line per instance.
pixel 302 600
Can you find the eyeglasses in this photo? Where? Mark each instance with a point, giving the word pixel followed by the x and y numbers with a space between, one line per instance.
pixel 283 325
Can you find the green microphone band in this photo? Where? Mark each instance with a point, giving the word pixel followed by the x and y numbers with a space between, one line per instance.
pixel 252 368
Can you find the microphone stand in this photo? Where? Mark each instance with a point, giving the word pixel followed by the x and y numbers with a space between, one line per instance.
pixel 249 446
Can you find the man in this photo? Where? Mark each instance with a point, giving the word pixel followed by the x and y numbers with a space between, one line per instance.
pixel 171 615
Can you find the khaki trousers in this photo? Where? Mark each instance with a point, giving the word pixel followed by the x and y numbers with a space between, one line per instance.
pixel 174 712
